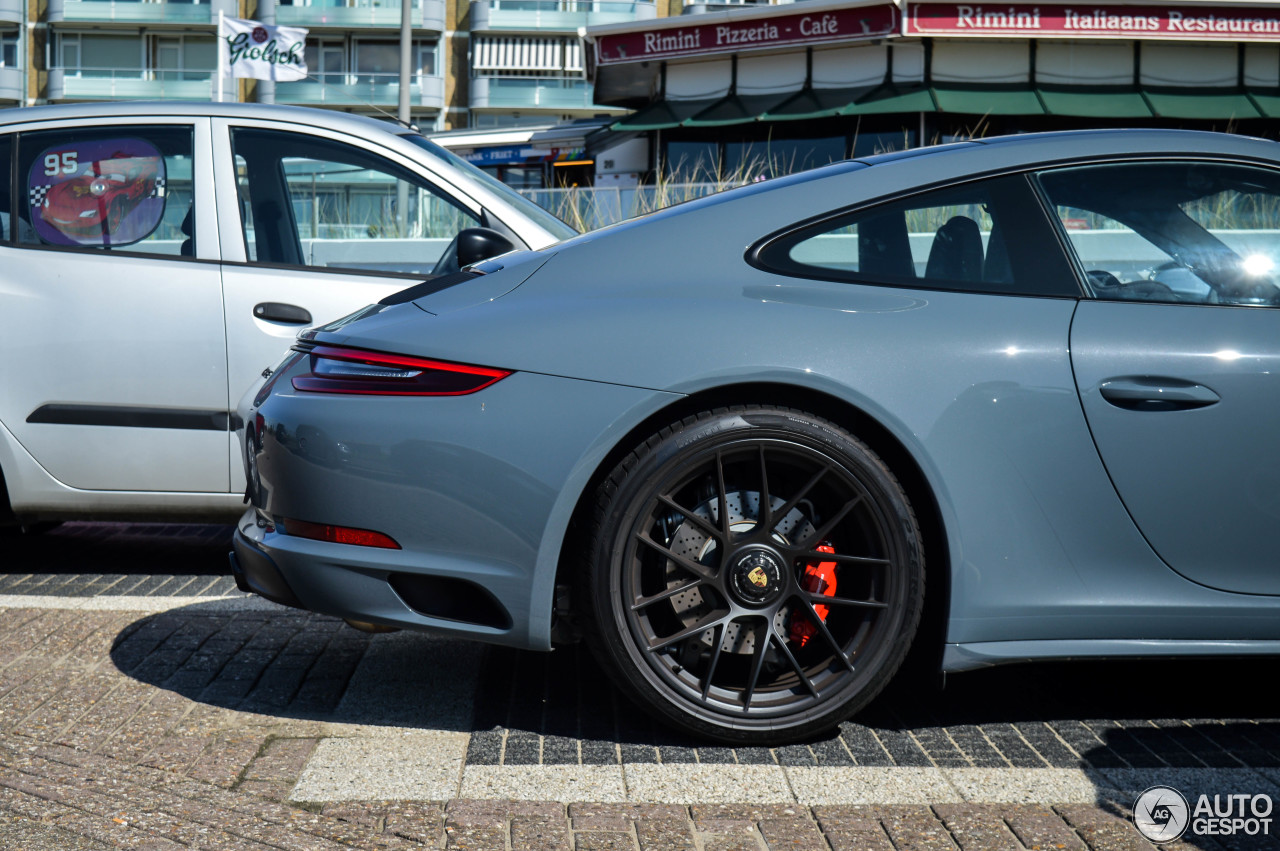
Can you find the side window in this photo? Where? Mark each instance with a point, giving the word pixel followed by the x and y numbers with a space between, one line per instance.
pixel 121 188
pixel 988 236
pixel 6 189
pixel 309 201
pixel 1205 233
pixel 245 198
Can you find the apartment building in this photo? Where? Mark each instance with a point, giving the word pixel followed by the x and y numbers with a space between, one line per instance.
pixel 476 63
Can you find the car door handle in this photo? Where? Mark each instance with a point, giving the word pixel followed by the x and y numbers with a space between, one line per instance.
pixel 1157 394
pixel 274 311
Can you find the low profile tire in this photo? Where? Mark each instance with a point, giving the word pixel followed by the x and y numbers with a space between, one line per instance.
pixel 696 596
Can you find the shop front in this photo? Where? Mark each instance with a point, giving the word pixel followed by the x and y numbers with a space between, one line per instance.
pixel 774 89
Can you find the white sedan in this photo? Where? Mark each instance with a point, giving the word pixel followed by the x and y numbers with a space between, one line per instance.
pixel 160 256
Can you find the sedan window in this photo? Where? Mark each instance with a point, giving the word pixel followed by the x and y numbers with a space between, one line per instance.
pixel 986 236
pixel 121 188
pixel 1205 233
pixel 309 201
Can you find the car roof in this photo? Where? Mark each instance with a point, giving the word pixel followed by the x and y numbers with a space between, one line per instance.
pixel 1060 144
pixel 139 109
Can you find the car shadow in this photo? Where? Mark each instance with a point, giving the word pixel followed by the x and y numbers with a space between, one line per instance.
pixel 190 549
pixel 260 658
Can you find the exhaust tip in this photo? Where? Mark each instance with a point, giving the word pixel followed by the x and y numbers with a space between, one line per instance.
pixel 375 628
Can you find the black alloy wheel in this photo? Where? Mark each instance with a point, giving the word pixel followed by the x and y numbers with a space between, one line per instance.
pixel 756 577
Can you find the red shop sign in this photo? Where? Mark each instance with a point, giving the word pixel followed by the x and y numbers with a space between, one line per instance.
pixel 1199 23
pixel 817 27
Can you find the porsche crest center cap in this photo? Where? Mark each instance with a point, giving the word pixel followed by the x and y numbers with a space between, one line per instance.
pixel 756 577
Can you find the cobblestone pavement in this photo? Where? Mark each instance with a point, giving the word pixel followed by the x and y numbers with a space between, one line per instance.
pixel 166 719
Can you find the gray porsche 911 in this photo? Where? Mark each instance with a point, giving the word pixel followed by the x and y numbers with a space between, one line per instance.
pixel 1005 399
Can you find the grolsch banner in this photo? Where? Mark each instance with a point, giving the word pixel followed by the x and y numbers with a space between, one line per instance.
pixel 251 49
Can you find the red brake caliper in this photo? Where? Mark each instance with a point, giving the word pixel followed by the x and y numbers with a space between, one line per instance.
pixel 818 578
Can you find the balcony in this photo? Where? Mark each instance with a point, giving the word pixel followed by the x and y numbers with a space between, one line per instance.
pixel 139 11
pixel 129 84
pixel 11 11
pixel 378 14
pixel 11 85
pixel 347 90
pixel 698 7
pixel 522 93
pixel 491 15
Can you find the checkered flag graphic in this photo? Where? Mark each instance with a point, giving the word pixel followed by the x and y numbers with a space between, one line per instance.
pixel 158 190
pixel 38 194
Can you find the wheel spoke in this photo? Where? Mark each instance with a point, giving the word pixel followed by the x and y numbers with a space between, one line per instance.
pixel 814 555
pixel 801 494
pixel 700 626
pixel 822 600
pixel 826 633
pixel 641 602
pixel 715 660
pixel 699 570
pixel 697 520
pixel 721 495
pixel 765 520
pixel 786 651
pixel 757 662
pixel 823 532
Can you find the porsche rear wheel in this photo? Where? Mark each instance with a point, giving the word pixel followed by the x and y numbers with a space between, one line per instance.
pixel 756 575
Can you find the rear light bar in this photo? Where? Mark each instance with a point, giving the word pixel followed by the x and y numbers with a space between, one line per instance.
pixel 339 534
pixel 338 369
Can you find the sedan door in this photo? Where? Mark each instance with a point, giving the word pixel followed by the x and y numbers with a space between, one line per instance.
pixel 316 225
pixel 1177 357
pixel 115 349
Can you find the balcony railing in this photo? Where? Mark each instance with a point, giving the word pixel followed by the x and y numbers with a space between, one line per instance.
pixel 426 90
pixel 497 92
pixel 11 11
pixel 696 7
pixel 556 14
pixel 11 85
pixel 129 84
pixel 428 14
pixel 139 11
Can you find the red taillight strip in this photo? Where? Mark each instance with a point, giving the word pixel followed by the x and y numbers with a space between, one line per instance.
pixel 375 386
pixel 339 534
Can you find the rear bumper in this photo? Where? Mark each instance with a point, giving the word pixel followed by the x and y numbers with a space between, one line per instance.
pixel 256 573
pixel 477 491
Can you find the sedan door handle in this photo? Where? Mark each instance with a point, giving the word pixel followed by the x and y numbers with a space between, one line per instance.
pixel 1157 394
pixel 274 311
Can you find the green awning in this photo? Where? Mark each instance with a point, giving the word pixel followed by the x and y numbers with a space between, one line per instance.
pixel 735 109
pixel 1200 103
pixel 1102 102
pixel 987 100
pixel 1267 101
pixel 663 114
pixel 815 103
pixel 885 99
pixel 1094 102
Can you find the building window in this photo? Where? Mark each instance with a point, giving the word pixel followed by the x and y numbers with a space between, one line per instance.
pixel 160 57
pixel 181 57
pixel 9 50
pixel 366 61
pixel 84 55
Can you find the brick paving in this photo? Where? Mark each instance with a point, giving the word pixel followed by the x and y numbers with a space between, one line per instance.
pixel 190 727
